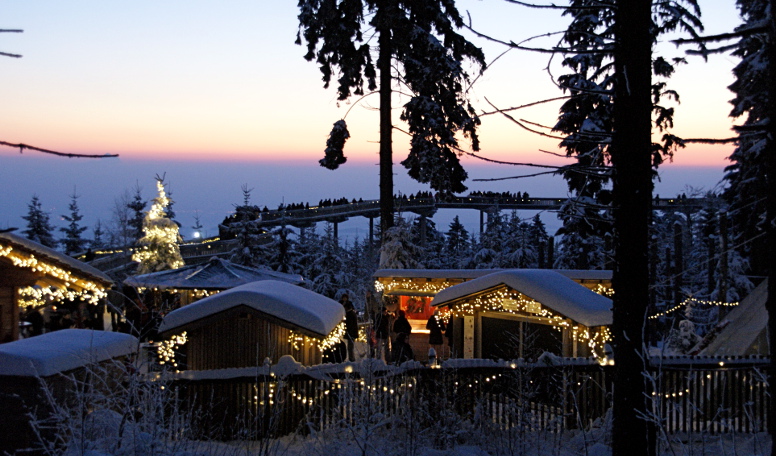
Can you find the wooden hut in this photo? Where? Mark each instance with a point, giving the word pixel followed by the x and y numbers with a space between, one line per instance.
pixel 412 290
pixel 242 326
pixel 522 313
pixel 37 273
pixel 55 361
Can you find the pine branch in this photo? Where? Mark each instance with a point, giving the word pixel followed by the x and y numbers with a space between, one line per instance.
pixel 21 148
pixel 710 140
pixel 721 37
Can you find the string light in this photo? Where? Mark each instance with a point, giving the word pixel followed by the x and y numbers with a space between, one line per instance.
pixel 694 302
pixel 414 285
pixel 507 300
pixel 166 349
pixel 332 339
pixel 37 296
pixel 73 287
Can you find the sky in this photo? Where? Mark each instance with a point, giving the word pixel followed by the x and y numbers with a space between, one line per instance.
pixel 216 95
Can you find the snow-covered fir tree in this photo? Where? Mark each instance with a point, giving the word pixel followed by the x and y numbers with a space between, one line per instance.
pixel 747 184
pixel 582 242
pixel 328 273
pixel 283 253
pixel 158 249
pixel 430 241
pixel 489 251
pixel 73 242
pixel 398 251
pixel 136 217
pixel 98 234
pixel 457 252
pixel 251 240
pixel 38 224
pixel 520 249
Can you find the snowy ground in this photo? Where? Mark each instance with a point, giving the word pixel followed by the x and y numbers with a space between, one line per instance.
pixel 385 440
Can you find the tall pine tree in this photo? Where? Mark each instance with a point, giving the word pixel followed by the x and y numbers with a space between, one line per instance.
pixel 73 242
pixel 417 40
pixel 38 224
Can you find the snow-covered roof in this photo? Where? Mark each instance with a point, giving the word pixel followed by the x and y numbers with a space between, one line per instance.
pixel 59 259
pixel 297 307
pixel 553 290
pixel 468 274
pixel 61 351
pixel 433 273
pixel 216 274
pixel 746 322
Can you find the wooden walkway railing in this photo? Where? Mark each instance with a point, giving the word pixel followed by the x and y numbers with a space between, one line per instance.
pixel 688 398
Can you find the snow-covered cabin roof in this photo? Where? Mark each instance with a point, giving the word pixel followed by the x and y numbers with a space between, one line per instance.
pixel 26 248
pixel 216 274
pixel 61 351
pixel 747 321
pixel 553 290
pixel 468 274
pixel 293 306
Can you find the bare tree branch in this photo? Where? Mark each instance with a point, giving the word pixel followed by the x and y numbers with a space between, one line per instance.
pixel 521 125
pixel 528 105
pixel 21 148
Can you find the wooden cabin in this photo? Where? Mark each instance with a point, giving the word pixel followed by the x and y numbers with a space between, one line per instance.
pixel 522 313
pixel 413 290
pixel 55 361
pixel 28 269
pixel 242 326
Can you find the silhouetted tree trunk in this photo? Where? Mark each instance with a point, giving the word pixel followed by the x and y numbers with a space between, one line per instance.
pixel 632 200
pixel 770 225
pixel 386 128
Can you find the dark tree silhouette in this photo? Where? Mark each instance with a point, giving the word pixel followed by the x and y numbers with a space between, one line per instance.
pixel 421 38
pixel 73 242
pixel 38 224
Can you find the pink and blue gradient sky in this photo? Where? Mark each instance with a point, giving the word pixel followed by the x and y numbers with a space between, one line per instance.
pixel 195 87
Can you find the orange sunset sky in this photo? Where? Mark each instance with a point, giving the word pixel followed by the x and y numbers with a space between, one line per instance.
pixel 200 80
pixel 223 82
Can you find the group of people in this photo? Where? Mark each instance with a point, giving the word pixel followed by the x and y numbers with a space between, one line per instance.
pixel 389 333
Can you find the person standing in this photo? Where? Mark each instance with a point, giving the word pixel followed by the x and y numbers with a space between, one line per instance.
pixel 401 325
pixel 436 327
pixel 351 326
pixel 382 330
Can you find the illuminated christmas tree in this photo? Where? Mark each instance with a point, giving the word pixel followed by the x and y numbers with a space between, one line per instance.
pixel 158 248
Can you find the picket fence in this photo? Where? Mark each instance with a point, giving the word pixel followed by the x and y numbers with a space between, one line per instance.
pixel 714 395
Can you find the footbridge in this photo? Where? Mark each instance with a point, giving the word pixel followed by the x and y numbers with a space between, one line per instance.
pixel 425 207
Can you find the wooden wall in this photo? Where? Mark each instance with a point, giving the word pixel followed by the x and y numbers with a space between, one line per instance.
pixel 243 339
pixel 9 315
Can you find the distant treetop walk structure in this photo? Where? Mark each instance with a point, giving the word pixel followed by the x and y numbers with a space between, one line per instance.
pixel 424 206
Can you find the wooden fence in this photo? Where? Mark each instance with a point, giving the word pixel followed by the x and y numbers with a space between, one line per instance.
pixel 689 397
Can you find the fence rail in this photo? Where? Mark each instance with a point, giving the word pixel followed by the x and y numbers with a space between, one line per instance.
pixel 712 398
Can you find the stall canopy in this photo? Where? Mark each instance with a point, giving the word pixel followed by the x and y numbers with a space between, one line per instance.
pixel 744 329
pixel 290 306
pixel 62 351
pixel 550 288
pixel 216 274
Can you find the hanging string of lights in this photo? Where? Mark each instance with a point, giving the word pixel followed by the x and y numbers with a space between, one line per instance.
pixel 693 301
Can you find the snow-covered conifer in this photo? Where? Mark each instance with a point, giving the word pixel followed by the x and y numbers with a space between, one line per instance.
pixel 38 224
pixel 398 251
pixel 158 249
pixel 73 242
